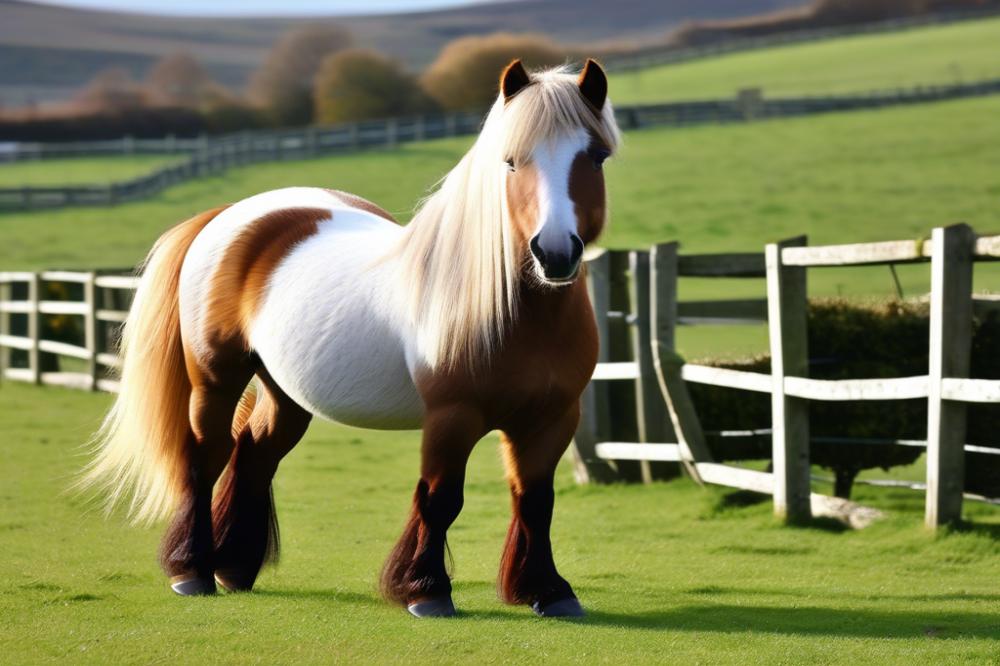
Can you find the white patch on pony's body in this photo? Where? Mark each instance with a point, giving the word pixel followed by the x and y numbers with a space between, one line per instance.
pixel 553 161
pixel 329 332
pixel 326 329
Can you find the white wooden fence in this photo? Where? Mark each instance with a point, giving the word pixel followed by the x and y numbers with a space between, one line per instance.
pixel 951 252
pixel 635 301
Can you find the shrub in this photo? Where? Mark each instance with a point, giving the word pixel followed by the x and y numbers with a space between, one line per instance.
pixel 180 80
pixel 853 341
pixel 465 74
pixel 359 84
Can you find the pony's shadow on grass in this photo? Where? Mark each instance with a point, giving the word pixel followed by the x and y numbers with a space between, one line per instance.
pixel 806 621
pixel 328 595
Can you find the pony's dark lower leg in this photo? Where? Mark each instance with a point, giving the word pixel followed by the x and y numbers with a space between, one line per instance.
pixel 187 551
pixel 528 572
pixel 246 525
pixel 415 573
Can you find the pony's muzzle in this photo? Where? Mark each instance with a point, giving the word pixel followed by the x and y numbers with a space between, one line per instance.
pixel 558 262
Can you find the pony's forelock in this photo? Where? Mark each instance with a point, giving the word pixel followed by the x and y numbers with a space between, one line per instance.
pixel 459 266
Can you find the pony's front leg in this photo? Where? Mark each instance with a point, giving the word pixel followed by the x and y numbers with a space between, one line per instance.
pixel 527 569
pixel 415 573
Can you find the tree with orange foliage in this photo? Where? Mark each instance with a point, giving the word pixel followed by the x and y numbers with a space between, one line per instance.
pixel 179 79
pixel 464 75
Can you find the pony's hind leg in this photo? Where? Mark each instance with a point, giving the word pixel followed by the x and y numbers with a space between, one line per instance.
pixel 187 552
pixel 246 526
pixel 527 569
pixel 415 574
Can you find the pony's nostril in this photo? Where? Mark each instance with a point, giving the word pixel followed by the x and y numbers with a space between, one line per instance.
pixel 577 249
pixel 536 250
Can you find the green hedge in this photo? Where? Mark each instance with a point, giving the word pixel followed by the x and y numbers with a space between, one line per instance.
pixel 851 340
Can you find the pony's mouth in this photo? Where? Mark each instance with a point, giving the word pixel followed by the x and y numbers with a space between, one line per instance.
pixel 556 281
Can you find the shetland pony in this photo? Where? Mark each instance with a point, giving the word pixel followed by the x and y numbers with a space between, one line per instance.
pixel 469 319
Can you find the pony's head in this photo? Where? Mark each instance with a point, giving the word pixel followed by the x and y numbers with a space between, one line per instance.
pixel 516 211
pixel 556 129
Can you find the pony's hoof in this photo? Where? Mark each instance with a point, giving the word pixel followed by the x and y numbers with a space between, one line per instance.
pixel 569 607
pixel 439 607
pixel 234 581
pixel 192 587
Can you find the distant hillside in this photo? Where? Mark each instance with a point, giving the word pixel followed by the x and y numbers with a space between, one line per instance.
pixel 817 15
pixel 46 52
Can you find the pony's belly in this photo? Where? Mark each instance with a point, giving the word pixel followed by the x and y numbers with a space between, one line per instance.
pixel 328 337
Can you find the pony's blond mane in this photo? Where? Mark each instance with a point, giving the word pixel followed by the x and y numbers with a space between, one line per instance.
pixel 459 266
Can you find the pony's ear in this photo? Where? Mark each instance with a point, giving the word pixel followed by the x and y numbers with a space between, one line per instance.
pixel 513 79
pixel 593 84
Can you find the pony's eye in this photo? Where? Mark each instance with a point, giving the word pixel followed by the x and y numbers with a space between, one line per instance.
pixel 598 155
pixel 510 165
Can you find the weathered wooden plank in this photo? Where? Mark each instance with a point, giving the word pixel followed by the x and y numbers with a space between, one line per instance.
pixel 74 380
pixel 897 388
pixel 116 316
pixel 988 246
pixel 744 264
pixel 888 252
pixel 594 415
pixel 65 276
pixel 653 420
pixel 34 328
pixel 738 311
pixel 108 359
pixel 16 342
pixel 15 276
pixel 970 390
pixel 787 303
pixel 19 374
pixel 737 379
pixel 117 281
pixel 63 307
pixel 90 326
pixel 64 349
pixel 646 451
pixel 608 371
pixel 109 385
pixel 850 513
pixel 663 315
pixel 17 307
pixel 736 477
pixel 950 346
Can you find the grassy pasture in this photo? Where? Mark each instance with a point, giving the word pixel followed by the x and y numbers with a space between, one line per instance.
pixel 874 175
pixel 80 171
pixel 959 52
pixel 669 572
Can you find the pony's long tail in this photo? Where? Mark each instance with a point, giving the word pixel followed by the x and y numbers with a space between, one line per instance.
pixel 140 448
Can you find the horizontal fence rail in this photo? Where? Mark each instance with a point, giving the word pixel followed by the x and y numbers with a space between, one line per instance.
pixel 211 157
pixel 639 374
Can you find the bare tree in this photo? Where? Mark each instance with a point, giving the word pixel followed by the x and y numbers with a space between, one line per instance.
pixel 179 79
pixel 284 82
pixel 112 89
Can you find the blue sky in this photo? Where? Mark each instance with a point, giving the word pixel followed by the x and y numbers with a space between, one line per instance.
pixel 263 7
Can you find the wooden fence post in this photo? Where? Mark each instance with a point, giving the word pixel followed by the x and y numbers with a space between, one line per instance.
pixel 654 422
pixel 90 338
pixel 787 311
pixel 34 328
pixel 6 293
pixel 950 346
pixel 595 415
pixel 391 132
pixel 666 362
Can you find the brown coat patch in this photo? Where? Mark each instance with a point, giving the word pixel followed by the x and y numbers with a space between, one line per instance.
pixel 248 262
pixel 586 191
pixel 354 201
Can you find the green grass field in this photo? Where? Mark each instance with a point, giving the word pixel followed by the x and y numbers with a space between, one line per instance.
pixel 80 171
pixel 669 572
pixel 959 52
pixel 853 177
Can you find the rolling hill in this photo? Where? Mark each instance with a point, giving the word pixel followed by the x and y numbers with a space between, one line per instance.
pixel 47 51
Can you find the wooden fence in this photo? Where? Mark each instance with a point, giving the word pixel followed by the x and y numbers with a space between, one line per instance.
pixel 209 157
pixel 639 422
pixel 603 453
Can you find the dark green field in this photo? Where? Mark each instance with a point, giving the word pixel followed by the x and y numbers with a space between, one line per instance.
pixel 670 572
